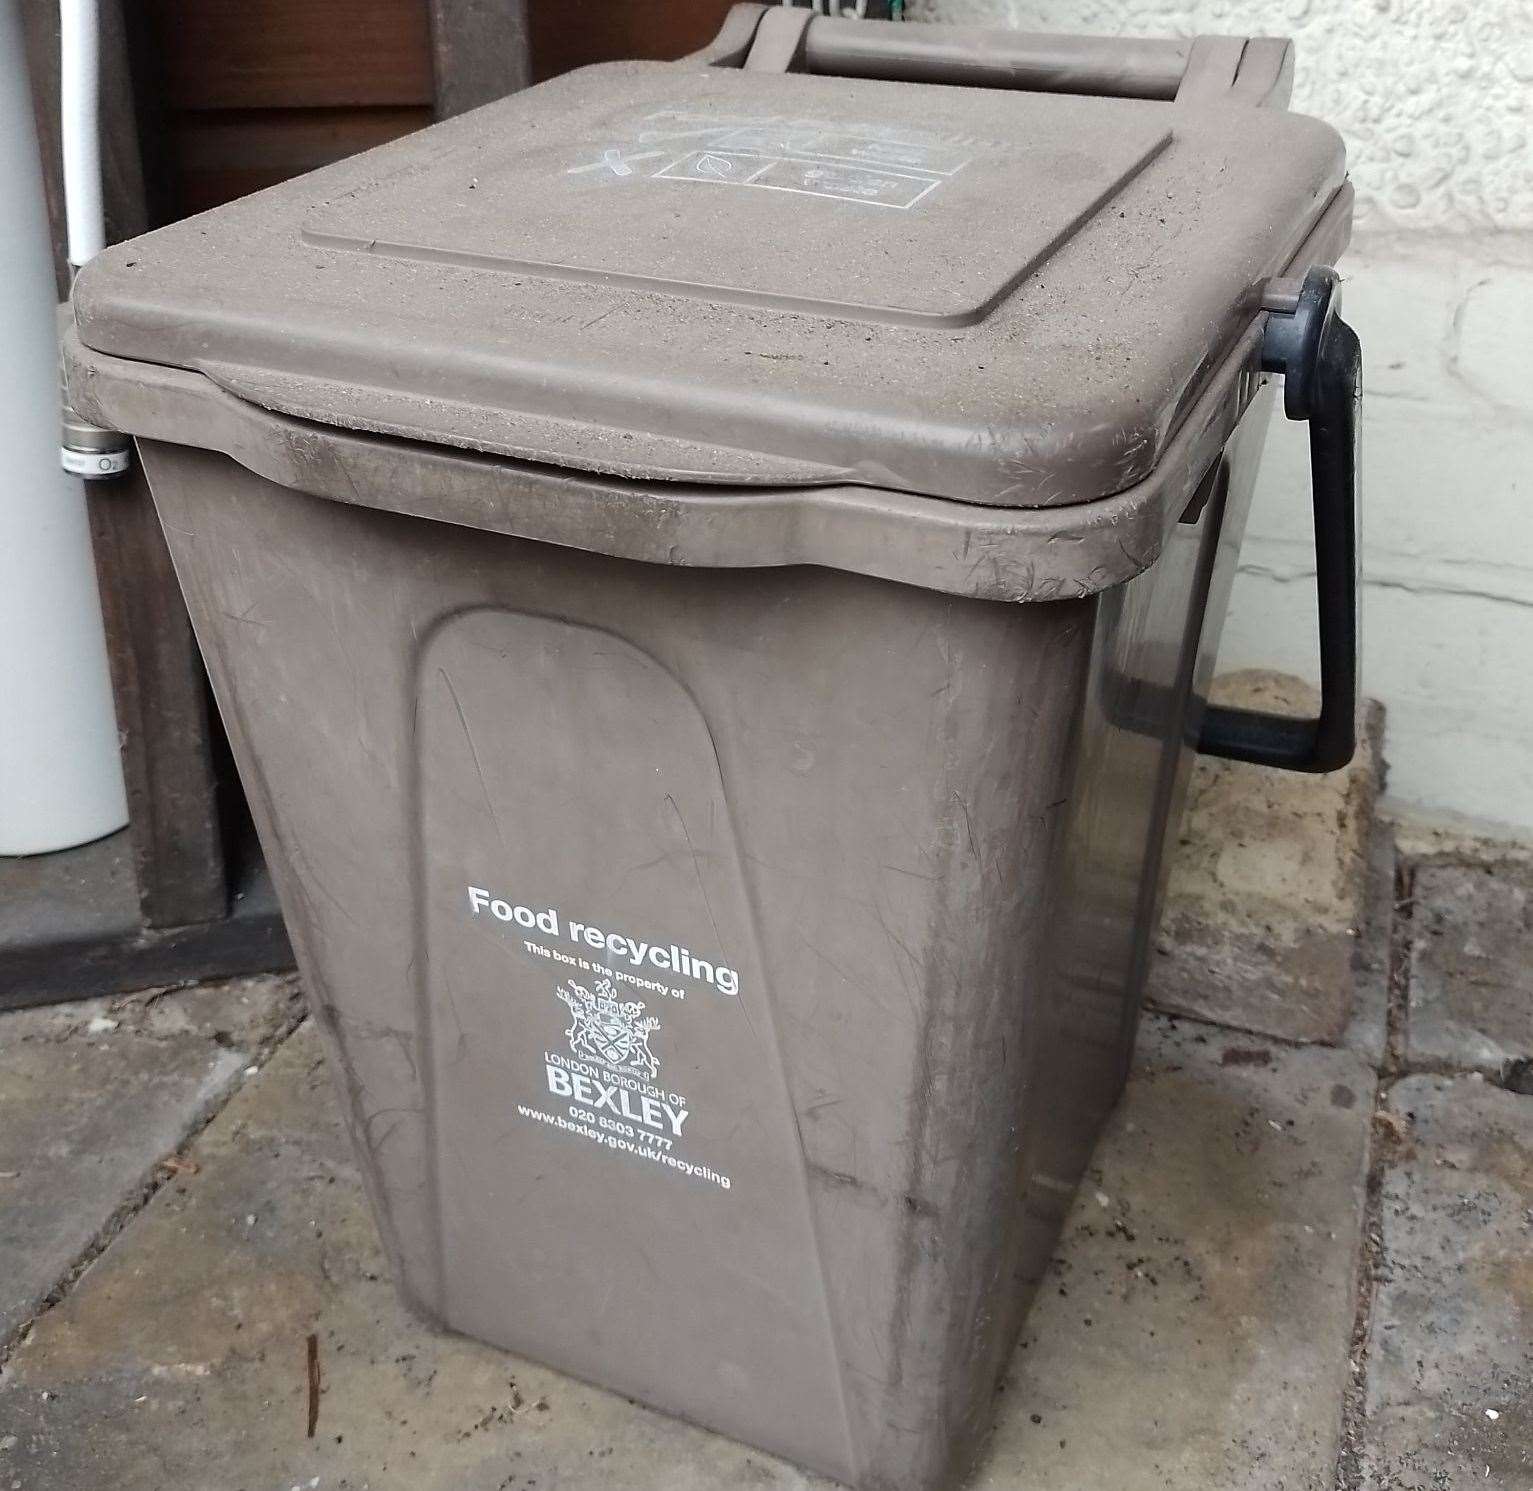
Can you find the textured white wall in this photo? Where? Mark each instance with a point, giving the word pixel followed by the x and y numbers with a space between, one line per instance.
pixel 1433 96
pixel 1435 100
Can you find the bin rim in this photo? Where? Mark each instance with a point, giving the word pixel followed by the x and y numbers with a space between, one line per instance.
pixel 959 548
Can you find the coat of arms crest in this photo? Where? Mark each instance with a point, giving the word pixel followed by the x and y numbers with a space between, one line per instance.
pixel 609 1030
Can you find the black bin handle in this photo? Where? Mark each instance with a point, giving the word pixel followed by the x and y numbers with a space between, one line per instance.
pixel 1321 361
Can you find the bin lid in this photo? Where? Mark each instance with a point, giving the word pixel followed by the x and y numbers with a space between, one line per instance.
pixel 676 271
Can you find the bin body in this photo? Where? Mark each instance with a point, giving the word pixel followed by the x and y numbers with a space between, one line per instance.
pixel 922 834
pixel 715 725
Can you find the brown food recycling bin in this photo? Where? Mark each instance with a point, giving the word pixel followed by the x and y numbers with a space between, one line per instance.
pixel 711 571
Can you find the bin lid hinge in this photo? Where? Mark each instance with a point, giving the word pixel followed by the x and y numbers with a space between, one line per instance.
pixel 778 45
pixel 1299 314
pixel 1256 70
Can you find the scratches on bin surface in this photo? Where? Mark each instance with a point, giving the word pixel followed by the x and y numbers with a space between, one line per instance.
pixel 701 878
pixel 473 750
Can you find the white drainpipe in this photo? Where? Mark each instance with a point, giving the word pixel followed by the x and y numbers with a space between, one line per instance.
pixel 60 771
pixel 80 132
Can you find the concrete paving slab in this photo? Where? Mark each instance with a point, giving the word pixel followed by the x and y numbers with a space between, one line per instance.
pixel 1196 1332
pixel 93 1096
pixel 1265 897
pixel 1212 1251
pixel 1471 968
pixel 1450 1362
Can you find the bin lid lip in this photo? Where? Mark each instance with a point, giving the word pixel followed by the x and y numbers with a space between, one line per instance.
pixel 672 271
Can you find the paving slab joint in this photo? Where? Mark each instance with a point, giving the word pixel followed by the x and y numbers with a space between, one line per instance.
pixel 1515 1075
pixel 1384 1142
pixel 1401 933
pixel 1369 1270
pixel 162 1174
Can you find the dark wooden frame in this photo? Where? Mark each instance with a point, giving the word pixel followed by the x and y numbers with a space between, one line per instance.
pixel 479 52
